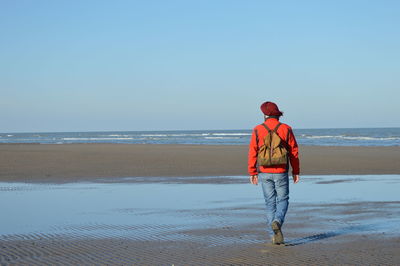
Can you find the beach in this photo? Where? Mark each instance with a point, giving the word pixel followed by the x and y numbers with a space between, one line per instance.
pixel 133 204
pixel 125 129
pixel 75 162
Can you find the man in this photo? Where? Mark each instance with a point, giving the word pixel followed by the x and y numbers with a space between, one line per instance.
pixel 274 178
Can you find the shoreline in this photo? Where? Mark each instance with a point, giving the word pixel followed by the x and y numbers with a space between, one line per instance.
pixel 88 161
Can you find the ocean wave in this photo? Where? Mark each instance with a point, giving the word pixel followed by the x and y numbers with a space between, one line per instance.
pixel 318 137
pixel 231 134
pixel 370 138
pixel 154 135
pixel 351 137
pixel 97 138
pixel 174 135
pixel 186 135
pixel 221 138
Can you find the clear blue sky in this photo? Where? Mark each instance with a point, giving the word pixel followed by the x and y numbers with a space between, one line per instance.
pixel 164 65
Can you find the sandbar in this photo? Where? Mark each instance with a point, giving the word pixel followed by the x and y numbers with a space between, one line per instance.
pixel 74 162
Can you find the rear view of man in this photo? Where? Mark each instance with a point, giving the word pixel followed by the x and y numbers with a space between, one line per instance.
pixel 272 147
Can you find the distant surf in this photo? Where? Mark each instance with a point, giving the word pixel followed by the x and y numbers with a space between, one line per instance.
pixel 323 137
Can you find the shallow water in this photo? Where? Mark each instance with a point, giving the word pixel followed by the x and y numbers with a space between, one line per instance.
pixel 166 208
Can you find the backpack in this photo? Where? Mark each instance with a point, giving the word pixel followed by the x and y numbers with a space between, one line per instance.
pixel 273 151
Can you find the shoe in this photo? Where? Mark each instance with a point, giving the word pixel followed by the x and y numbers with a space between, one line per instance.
pixel 274 242
pixel 277 238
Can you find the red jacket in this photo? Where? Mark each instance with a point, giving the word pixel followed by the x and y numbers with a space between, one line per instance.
pixel 285 133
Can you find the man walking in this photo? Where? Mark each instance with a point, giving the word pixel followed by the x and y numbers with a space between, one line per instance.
pixel 272 147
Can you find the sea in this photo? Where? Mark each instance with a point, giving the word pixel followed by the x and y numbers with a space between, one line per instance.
pixel 316 137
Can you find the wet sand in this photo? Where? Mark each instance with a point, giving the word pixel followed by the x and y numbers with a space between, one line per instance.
pixel 74 162
pixel 58 250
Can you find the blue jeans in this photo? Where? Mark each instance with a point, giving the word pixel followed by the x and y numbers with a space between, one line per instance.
pixel 276 195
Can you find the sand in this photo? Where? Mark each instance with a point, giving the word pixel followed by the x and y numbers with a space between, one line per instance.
pixel 58 250
pixel 72 162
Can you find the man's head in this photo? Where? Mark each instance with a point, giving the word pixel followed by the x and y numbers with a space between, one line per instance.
pixel 270 109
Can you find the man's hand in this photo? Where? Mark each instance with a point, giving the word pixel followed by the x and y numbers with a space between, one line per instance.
pixel 296 178
pixel 254 179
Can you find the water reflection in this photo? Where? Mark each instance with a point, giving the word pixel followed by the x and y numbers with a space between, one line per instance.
pixel 168 208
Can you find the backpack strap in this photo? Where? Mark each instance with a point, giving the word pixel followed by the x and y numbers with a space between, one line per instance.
pixel 256 133
pixel 267 128
pixel 276 128
pixel 286 143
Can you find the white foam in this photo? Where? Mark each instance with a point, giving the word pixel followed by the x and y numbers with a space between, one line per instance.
pixel 370 138
pixel 231 134
pixel 319 137
pixel 185 135
pixel 350 137
pixel 172 135
pixel 154 135
pixel 221 138
pixel 96 138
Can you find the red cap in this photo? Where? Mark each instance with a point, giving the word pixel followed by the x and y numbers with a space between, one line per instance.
pixel 270 109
